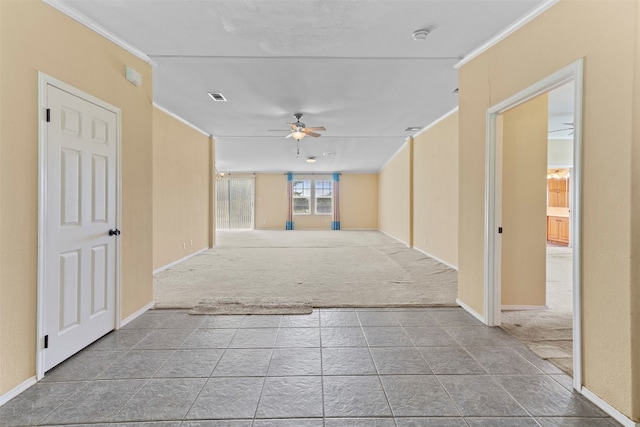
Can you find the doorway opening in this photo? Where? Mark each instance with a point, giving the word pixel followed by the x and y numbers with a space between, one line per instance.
pixel 508 278
pixel 547 329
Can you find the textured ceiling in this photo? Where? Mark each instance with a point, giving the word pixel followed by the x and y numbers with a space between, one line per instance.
pixel 351 66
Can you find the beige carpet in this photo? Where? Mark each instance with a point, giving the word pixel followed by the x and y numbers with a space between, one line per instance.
pixel 549 333
pixel 326 268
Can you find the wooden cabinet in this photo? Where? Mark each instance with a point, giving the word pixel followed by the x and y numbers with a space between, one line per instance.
pixel 558 197
pixel 558 192
pixel 558 229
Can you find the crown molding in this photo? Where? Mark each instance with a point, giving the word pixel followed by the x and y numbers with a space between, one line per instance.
pixel 521 22
pixel 93 26
pixel 180 119
pixel 426 128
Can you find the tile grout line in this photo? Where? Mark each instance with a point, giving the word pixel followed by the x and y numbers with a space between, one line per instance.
pixel 324 415
pixel 433 372
pixel 375 365
pixel 486 371
pixel 264 379
pixel 147 380
pixel 88 381
pixel 184 418
pixel 386 398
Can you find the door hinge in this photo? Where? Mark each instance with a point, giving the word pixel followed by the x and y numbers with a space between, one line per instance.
pixel 46 341
pixel 48 115
pixel 499 230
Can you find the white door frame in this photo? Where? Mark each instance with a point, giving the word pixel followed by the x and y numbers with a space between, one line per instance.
pixel 43 81
pixel 493 203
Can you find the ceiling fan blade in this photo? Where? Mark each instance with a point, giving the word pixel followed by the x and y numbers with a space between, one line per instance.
pixel 321 128
pixel 310 133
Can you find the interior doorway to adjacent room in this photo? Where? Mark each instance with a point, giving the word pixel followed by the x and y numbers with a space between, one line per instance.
pixel 532 280
pixel 548 330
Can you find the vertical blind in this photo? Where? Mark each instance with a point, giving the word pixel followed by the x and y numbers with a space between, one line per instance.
pixel 234 203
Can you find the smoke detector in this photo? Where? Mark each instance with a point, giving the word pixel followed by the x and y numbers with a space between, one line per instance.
pixel 420 35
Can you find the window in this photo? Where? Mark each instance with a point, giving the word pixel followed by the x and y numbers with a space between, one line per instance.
pixel 312 197
pixel 302 197
pixel 324 197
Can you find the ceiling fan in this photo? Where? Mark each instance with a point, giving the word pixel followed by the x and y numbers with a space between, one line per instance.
pixel 571 128
pixel 299 129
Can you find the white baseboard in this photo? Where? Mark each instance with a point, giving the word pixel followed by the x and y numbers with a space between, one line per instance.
pixel 505 307
pixel 441 261
pixel 17 390
pixel 394 238
pixel 176 262
pixel 358 229
pixel 137 314
pixel 471 311
pixel 613 412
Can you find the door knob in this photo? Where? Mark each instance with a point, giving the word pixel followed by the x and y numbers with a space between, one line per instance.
pixel 114 232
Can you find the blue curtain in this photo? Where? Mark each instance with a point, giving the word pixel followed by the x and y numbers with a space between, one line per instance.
pixel 335 224
pixel 289 224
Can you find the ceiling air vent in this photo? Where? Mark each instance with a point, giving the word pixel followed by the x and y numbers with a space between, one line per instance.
pixel 217 96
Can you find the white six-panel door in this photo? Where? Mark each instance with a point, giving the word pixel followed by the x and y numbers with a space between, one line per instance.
pixel 80 254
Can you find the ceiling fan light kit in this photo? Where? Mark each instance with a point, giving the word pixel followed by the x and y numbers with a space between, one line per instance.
pixel 299 131
pixel 297 135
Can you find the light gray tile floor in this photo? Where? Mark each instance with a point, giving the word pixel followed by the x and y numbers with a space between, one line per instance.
pixel 332 368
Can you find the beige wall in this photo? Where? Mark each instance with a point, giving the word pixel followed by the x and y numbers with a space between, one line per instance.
pixel 603 33
pixel 435 190
pixel 181 189
pixel 560 152
pixel 358 201
pixel 394 196
pixel 312 222
pixel 35 37
pixel 635 224
pixel 271 201
pixel 524 203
